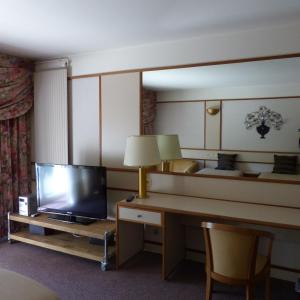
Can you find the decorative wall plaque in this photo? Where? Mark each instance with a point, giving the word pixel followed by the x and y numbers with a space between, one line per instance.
pixel 263 120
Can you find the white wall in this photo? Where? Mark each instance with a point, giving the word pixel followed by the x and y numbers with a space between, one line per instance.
pixel 263 42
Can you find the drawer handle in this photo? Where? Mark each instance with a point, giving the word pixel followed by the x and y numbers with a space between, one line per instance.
pixel 139 216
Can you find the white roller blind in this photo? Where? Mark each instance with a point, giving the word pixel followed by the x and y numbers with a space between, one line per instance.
pixel 51 116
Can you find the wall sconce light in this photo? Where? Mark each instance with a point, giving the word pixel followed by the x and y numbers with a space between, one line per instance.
pixel 213 110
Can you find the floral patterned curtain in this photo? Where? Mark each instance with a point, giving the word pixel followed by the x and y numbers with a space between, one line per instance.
pixel 16 99
pixel 149 111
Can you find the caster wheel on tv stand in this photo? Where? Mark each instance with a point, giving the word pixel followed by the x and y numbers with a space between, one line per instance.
pixel 104 266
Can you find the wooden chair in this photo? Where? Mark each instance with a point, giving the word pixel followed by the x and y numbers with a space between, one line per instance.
pixel 232 257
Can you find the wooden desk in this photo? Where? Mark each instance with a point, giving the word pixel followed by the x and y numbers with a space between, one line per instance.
pixel 163 210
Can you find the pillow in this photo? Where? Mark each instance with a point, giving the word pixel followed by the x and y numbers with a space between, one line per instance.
pixel 285 164
pixel 226 161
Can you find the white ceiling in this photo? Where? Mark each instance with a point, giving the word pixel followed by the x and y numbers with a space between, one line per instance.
pixel 52 28
pixel 279 71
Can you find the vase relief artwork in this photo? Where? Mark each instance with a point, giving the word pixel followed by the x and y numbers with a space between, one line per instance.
pixel 264 119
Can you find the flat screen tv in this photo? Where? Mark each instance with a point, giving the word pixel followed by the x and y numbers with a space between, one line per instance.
pixel 69 190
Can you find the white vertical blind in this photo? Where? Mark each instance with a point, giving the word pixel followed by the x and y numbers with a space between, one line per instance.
pixel 85 121
pixel 51 116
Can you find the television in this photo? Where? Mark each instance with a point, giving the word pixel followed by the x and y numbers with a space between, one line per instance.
pixel 71 192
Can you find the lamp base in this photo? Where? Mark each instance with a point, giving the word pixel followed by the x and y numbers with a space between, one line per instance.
pixel 142 183
pixel 165 166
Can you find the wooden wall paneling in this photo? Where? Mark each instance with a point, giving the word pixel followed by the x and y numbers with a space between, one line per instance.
pixel 120 95
pixel 182 118
pixel 227 189
pixel 85 111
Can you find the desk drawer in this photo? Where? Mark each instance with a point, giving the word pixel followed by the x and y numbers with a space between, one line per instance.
pixel 141 216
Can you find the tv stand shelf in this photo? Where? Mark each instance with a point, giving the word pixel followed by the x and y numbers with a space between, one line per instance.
pixel 68 238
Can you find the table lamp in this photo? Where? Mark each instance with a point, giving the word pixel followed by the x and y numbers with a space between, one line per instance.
pixel 141 151
pixel 169 148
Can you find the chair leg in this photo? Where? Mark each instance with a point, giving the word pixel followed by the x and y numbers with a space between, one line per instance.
pixel 268 287
pixel 209 286
pixel 249 291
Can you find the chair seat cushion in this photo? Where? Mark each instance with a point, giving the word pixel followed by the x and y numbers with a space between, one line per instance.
pixel 261 262
pixel 14 286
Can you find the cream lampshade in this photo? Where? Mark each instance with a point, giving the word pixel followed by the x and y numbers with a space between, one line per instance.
pixel 141 151
pixel 169 149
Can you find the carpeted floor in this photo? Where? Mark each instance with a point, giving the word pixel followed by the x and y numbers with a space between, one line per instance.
pixel 75 278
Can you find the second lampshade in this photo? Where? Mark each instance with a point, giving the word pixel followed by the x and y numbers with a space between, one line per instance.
pixel 169 149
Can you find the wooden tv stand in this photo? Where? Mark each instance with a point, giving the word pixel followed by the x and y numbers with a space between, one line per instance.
pixel 68 238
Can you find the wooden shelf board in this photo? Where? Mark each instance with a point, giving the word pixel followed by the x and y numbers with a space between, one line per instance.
pixel 64 242
pixel 95 230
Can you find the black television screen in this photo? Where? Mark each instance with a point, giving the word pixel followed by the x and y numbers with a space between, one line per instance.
pixel 72 190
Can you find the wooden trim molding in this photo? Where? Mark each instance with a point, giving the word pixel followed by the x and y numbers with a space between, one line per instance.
pixel 221 122
pixel 239 150
pixel 219 199
pixel 293 270
pixel 122 189
pixel 228 100
pixel 181 101
pixel 141 129
pixel 210 63
pixel 237 161
pixel 100 120
pixel 205 126
pixel 261 98
pixel 258 180
pixel 126 170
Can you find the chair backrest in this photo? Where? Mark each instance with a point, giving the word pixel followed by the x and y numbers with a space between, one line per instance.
pixel 231 251
pixel 184 165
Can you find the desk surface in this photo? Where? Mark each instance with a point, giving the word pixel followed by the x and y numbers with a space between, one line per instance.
pixel 222 209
